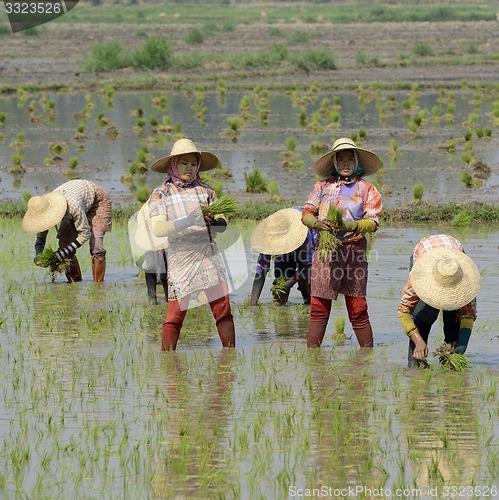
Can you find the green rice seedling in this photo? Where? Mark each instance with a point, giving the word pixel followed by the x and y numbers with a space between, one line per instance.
pixel 339 326
pixel 56 150
pixel 225 205
pixel 453 361
pixel 418 192
pixel 328 242
pixel 468 135
pixel 462 219
pixel 291 144
pixel 142 194
pixel 26 196
pixel 353 135
pixel 195 37
pixel 73 162
pixel 46 259
pixel 468 180
pixel 362 133
pixel 317 149
pixel 3 119
pixel 273 189
pixel 19 143
pixel 255 182
pixel 278 289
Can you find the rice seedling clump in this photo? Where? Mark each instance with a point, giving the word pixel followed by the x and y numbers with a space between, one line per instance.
pixel 452 360
pixel 224 205
pixel 328 242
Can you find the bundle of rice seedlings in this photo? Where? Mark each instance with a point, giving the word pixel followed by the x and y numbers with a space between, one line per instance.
pixel 278 289
pixel 46 259
pixel 454 361
pixel 225 205
pixel 328 242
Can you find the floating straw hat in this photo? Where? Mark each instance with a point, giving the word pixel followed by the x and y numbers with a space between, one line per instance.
pixel 183 147
pixel 445 278
pixel 44 212
pixel 143 234
pixel 369 161
pixel 279 233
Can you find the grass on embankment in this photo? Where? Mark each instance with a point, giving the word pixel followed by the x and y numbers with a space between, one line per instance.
pixel 477 212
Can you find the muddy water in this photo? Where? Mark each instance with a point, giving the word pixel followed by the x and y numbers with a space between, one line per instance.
pixel 90 404
pixel 105 160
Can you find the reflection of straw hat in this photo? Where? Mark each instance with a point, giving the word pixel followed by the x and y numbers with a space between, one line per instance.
pixel 183 147
pixel 445 278
pixel 369 161
pixel 279 233
pixel 44 212
pixel 143 234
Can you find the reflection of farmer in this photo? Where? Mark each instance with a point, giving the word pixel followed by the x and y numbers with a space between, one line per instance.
pixel 346 271
pixel 282 234
pixel 83 211
pixel 442 278
pixel 194 262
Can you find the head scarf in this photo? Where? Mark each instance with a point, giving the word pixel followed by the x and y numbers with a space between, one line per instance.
pixel 174 176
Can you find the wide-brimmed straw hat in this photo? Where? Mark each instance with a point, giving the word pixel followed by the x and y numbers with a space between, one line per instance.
pixel 445 278
pixel 183 147
pixel 44 212
pixel 279 233
pixel 144 237
pixel 369 161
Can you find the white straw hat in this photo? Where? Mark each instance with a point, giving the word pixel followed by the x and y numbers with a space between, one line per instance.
pixel 445 278
pixel 44 212
pixel 144 237
pixel 369 161
pixel 279 233
pixel 183 147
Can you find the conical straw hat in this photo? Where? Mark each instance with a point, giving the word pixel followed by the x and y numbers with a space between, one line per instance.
pixel 445 278
pixel 369 161
pixel 182 147
pixel 279 233
pixel 44 212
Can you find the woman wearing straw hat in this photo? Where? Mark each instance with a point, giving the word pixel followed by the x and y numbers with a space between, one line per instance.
pixel 82 211
pixel 441 278
pixel 194 262
pixel 284 236
pixel 345 271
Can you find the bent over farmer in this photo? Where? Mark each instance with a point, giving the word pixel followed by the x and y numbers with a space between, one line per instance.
pixel 81 211
pixel 441 278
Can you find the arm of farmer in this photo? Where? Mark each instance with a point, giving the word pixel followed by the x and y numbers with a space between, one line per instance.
pixel 308 217
pixel 77 212
pixel 262 268
pixel 40 240
pixel 467 315
pixel 406 308
pixel 217 222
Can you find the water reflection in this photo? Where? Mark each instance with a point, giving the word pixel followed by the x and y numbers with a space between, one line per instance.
pixel 441 431
pixel 198 414
pixel 344 449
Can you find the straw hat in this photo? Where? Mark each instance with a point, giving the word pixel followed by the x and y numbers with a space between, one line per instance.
pixel 369 161
pixel 182 147
pixel 445 278
pixel 279 233
pixel 44 212
pixel 143 234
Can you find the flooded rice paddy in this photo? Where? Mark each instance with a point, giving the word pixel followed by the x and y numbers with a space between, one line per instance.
pixel 91 406
pixel 420 135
